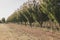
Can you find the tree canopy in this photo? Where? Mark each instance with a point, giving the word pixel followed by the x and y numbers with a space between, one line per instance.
pixel 37 12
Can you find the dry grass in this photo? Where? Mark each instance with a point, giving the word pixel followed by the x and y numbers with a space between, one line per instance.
pixel 20 32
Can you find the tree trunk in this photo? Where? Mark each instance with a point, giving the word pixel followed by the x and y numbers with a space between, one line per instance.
pixel 41 23
pixel 31 24
pixel 21 22
pixel 25 24
pixel 59 24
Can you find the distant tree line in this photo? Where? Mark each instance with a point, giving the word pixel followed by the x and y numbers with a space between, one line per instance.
pixel 2 20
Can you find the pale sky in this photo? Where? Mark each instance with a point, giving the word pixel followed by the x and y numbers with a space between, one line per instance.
pixel 7 7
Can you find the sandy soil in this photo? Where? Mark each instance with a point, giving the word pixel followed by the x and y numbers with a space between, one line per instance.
pixel 21 32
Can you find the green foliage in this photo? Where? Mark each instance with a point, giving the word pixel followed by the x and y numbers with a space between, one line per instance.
pixel 12 18
pixel 37 13
pixel 57 11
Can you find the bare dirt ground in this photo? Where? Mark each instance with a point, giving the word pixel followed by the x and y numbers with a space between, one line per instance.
pixel 21 32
